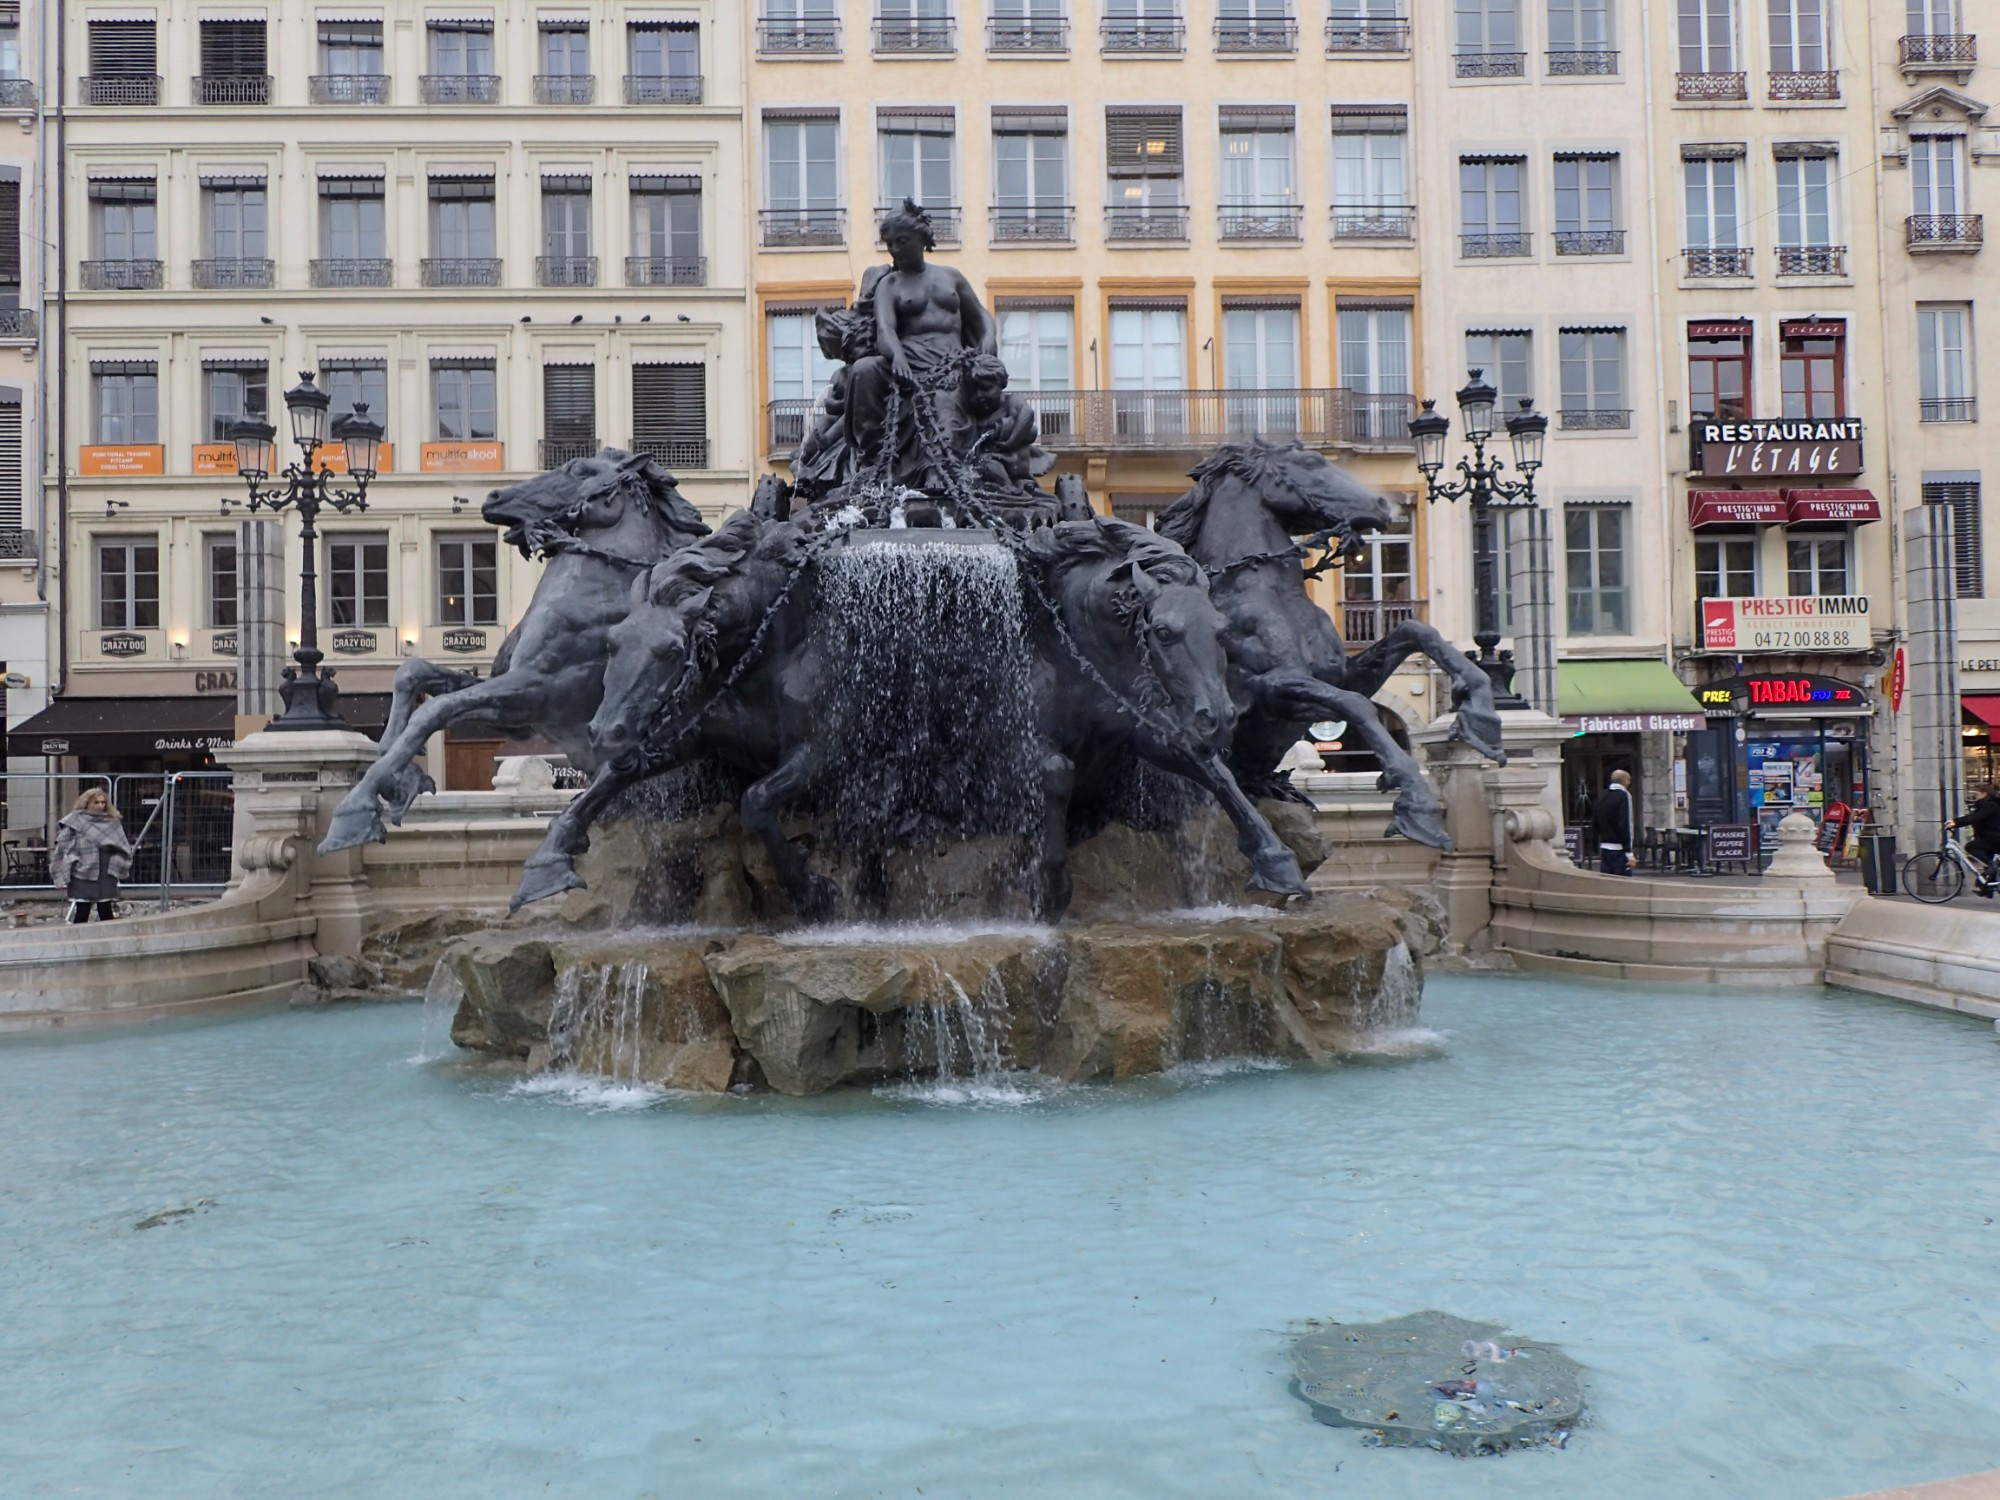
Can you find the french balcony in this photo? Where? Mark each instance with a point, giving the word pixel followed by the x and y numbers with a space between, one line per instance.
pixel 1123 36
pixel 663 88
pixel 1161 224
pixel 947 222
pixel 1948 409
pixel 124 90
pixel 1027 36
pixel 1953 53
pixel 18 325
pixel 1573 242
pixel 1582 62
pixel 1283 222
pixel 220 274
pixel 1790 88
pixel 460 270
pixel 677 453
pixel 122 275
pixel 1367 34
pixel 244 88
pixel 351 271
pixel 18 544
pixel 916 35
pixel 790 228
pixel 1812 260
pixel 1486 246
pixel 1594 418
pixel 1490 64
pixel 1711 88
pixel 1046 225
pixel 553 453
pixel 1945 234
pixel 563 270
pixel 565 88
pixel 1384 221
pixel 18 93
pixel 666 270
pixel 1256 36
pixel 1702 263
pixel 461 88
pixel 1363 622
pixel 350 88
pixel 816 36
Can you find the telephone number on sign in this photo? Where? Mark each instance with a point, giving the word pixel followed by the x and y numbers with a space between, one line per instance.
pixel 1799 640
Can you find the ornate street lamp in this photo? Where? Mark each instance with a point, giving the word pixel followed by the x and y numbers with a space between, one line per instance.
pixel 1482 486
pixel 309 692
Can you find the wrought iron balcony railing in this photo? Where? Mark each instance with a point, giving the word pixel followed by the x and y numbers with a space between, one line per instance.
pixel 947 222
pixel 555 452
pixel 123 89
pixel 350 270
pixel 1942 52
pixel 663 88
pixel 1581 62
pixel 18 544
pixel 459 270
pixel 350 88
pixel 1383 221
pixel 1707 87
pixel 1044 224
pixel 1119 35
pixel 18 324
pixel 1490 64
pixel 1590 242
pixel 1367 34
pixel 245 88
pixel 1812 260
pixel 916 34
pixel 461 88
pixel 565 270
pixel 1716 260
pixel 1594 418
pixel 675 453
pixel 219 273
pixel 1948 409
pixel 1260 221
pixel 1274 36
pixel 666 270
pixel 1486 246
pixel 1785 87
pixel 782 228
pixel 122 275
pixel 1015 35
pixel 1155 224
pixel 565 88
pixel 1961 232
pixel 18 93
pixel 1364 622
pixel 816 36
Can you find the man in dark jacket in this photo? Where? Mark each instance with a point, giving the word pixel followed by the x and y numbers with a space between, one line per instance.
pixel 1611 820
pixel 1983 818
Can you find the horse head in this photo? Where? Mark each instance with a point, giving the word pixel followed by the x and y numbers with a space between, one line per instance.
pixel 1303 492
pixel 599 493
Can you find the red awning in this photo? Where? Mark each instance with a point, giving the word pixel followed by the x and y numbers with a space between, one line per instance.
pixel 1985 707
pixel 1831 507
pixel 1734 508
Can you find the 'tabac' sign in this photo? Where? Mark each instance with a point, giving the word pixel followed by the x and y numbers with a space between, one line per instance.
pixel 1798 690
pixel 1802 691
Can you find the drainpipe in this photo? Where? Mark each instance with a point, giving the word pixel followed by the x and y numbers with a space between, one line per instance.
pixel 61 684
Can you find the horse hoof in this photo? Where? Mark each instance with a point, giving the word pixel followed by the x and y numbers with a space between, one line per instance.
pixel 1281 877
pixel 404 792
pixel 541 879
pixel 1421 825
pixel 1480 731
pixel 354 826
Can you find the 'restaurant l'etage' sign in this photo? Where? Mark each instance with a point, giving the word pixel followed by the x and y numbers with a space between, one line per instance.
pixel 1790 449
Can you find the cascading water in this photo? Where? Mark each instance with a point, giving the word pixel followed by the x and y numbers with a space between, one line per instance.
pixel 594 1025
pixel 442 996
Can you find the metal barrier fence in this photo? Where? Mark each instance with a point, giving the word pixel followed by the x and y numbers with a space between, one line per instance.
pixel 181 824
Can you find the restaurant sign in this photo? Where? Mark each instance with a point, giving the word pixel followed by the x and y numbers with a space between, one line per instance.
pixel 1775 450
pixel 223 643
pixel 122 643
pixel 1813 622
pixel 354 642
pixel 464 639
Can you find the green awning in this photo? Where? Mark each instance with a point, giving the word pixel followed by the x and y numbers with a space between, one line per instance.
pixel 1623 694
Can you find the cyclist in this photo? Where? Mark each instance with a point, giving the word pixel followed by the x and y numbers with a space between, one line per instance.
pixel 1983 818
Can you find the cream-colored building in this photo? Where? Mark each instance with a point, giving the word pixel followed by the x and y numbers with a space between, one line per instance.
pixel 512 229
pixel 24 612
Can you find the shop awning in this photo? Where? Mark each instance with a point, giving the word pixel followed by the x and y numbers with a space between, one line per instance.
pixel 1734 508
pixel 1621 695
pixel 1830 507
pixel 1985 707
pixel 156 726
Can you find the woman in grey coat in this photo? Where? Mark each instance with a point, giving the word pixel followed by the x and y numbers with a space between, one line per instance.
pixel 92 856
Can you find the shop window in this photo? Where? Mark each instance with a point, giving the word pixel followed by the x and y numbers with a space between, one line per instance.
pixel 357 579
pixel 1725 567
pixel 1719 373
pixel 1597 573
pixel 128 583
pixel 468 581
pixel 1818 565
pixel 1813 369
pixel 219 566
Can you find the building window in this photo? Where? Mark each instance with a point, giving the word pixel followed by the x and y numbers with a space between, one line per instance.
pixel 357 579
pixel 461 49
pixel 1501 354
pixel 799 371
pixel 464 400
pixel 350 49
pixel 1935 175
pixel 234 390
pixel 1593 378
pixel 1028 26
pixel 1714 216
pixel 1378 588
pixel 1260 352
pixel 356 382
pixel 670 413
pixel 1798 36
pixel 234 66
pixel 1944 362
pixel 666 232
pixel 468 581
pixel 124 63
pixel 235 247
pixel 1707 36
pixel 802 206
pixel 916 163
pixel 219 555
pixel 811 26
pixel 1961 494
pixel 128 583
pixel 1141 26
pixel 1587 206
pixel 1817 565
pixel 1489 199
pixel 567 257
pixel 1371 173
pixel 353 237
pixel 569 413
pixel 1813 369
pixel 1487 37
pixel 1259 189
pixel 1374 343
pixel 12 492
pixel 1038 343
pixel 462 219
pixel 1580 37
pixel 124 222
pixel 1149 366
pixel 1725 567
pixel 1805 217
pixel 665 62
pixel 1145 162
pixel 1254 26
pixel 126 397
pixel 913 26
pixel 1719 372
pixel 1031 175
pixel 565 49
pixel 1596 576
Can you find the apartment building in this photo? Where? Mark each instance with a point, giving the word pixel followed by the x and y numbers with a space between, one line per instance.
pixel 24 614
pixel 511 230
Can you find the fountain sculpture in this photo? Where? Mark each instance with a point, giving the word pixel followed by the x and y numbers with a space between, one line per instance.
pixel 913 684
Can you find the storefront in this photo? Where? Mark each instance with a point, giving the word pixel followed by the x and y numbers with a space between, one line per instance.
pixel 1628 715
pixel 153 736
pixel 1780 743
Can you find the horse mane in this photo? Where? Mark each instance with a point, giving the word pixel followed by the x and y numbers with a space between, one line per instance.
pixel 705 563
pixel 669 503
pixel 1072 544
pixel 1257 463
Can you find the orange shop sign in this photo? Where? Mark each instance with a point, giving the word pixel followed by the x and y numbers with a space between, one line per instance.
pixel 333 458
pixel 100 460
pixel 220 458
pixel 213 458
pixel 462 458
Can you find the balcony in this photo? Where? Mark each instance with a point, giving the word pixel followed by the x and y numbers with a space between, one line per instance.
pixel 350 88
pixel 18 325
pixel 553 453
pixel 816 36
pixel 122 89
pixel 461 88
pixel 18 544
pixel 220 274
pixel 789 228
pixel 459 270
pixel 1490 64
pixel 947 222
pixel 663 88
pixel 1590 242
pixel 1702 262
pixel 1790 88
pixel 1025 36
pixel 561 270
pixel 348 271
pixel 1945 234
pixel 1387 221
pixel 122 275
pixel 1367 34
pixel 677 453
pixel 1495 246
pixel 1260 221
pixel 1812 260
pixel 1257 36
pixel 665 270
pixel 1948 409
pixel 915 35
pixel 1594 418
pixel 1119 36
pixel 1364 622
pixel 1154 225
pixel 1040 225
pixel 1575 62
pixel 1941 52
pixel 18 93
pixel 247 88
pixel 1711 88
pixel 565 88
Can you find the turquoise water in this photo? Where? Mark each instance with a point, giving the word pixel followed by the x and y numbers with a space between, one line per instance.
pixel 1764 1222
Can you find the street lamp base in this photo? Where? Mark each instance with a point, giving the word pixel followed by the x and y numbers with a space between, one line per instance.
pixel 309 697
pixel 1499 669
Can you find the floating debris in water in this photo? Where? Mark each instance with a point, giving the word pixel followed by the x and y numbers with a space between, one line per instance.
pixel 169 1215
pixel 1435 1381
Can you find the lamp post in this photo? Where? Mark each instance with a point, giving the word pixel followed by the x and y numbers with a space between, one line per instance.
pixel 309 693
pixel 1483 488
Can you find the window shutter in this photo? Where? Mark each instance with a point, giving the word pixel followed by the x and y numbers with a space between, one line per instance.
pixel 654 184
pixel 232 49
pixel 569 403
pixel 1256 116
pixel 11 511
pixel 1010 119
pixel 670 405
pixel 468 189
pixel 1966 555
pixel 1143 142
pixel 122 192
pixel 10 233
pixel 123 49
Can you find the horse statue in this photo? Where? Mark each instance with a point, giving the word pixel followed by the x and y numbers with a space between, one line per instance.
pixel 1288 666
pixel 598 522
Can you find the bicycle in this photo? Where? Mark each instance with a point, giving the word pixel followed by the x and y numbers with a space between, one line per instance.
pixel 1939 875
